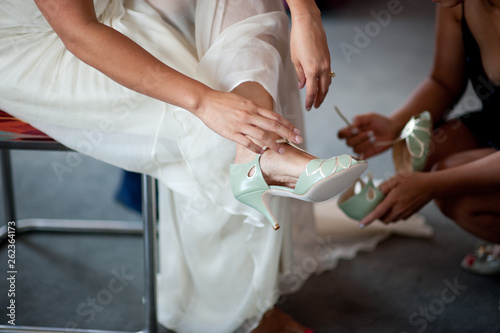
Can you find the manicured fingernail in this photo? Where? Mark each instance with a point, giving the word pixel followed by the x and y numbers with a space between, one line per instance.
pixel 298 139
pixel 361 226
pixel 281 150
pixel 308 108
pixel 354 131
pixel 296 131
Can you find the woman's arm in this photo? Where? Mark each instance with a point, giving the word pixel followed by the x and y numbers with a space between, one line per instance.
pixel 309 51
pixel 407 194
pixel 125 62
pixel 479 176
pixel 447 81
pixel 437 93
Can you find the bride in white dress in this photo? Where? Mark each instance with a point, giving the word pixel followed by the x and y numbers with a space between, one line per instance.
pixel 166 88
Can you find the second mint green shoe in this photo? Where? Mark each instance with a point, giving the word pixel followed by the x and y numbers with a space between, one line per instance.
pixel 411 153
pixel 358 205
pixel 321 180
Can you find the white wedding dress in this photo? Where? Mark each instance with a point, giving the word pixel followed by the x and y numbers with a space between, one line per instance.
pixel 221 263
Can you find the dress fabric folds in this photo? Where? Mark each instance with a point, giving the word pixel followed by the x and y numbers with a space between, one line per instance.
pixel 219 260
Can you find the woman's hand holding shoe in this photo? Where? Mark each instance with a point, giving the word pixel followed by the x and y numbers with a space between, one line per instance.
pixel 404 195
pixel 365 131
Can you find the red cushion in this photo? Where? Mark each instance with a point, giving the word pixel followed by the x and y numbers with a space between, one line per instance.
pixel 12 128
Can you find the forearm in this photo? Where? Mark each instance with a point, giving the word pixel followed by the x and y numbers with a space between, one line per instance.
pixel 479 176
pixel 431 95
pixel 447 81
pixel 117 56
pixel 125 62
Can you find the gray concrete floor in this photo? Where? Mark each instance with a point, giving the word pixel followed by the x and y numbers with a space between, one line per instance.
pixel 397 288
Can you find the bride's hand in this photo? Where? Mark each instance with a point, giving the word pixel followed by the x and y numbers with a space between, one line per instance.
pixel 309 51
pixel 244 122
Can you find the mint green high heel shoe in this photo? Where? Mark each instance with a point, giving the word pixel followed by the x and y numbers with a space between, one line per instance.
pixel 411 153
pixel 410 150
pixel 357 205
pixel 321 180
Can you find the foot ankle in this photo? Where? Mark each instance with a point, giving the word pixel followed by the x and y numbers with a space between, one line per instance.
pixel 284 169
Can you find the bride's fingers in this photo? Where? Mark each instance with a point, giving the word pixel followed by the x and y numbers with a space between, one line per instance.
pixel 278 118
pixel 261 137
pixel 301 77
pixel 274 123
pixel 324 85
pixel 311 91
pixel 249 144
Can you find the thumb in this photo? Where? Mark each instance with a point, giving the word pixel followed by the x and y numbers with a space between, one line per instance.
pixel 301 77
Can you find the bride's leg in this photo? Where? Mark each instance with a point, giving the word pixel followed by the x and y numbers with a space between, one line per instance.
pixel 278 169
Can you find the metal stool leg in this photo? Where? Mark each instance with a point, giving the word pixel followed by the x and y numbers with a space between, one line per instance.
pixel 149 218
pixel 150 260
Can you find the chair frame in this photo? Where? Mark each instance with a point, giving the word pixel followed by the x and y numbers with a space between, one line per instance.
pixel 146 227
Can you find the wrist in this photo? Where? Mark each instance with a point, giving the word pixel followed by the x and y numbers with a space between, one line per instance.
pixel 396 125
pixel 431 182
pixel 398 122
pixel 301 8
pixel 192 97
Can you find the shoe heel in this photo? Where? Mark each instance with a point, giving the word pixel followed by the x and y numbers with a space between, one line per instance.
pixel 257 200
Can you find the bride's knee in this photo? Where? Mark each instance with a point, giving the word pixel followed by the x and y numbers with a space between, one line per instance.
pixel 254 91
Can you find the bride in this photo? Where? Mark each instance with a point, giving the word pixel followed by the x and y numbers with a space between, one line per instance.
pixel 181 90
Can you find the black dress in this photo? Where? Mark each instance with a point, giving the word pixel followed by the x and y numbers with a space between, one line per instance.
pixel 485 122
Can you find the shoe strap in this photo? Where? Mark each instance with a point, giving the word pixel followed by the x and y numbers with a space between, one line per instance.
pixel 288 142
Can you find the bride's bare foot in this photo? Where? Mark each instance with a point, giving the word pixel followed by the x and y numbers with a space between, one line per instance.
pixel 279 169
pixel 276 321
